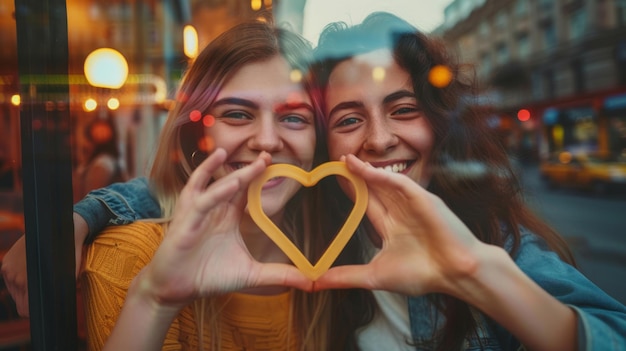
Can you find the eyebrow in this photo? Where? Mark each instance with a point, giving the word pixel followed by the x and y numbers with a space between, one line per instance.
pixel 235 101
pixel 398 95
pixel 346 105
pixel 292 106
pixel 250 104
pixel 358 104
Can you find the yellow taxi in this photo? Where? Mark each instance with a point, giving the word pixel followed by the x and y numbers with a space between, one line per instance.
pixel 584 171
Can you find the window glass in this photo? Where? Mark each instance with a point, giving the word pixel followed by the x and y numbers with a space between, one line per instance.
pixel 526 54
pixel 578 23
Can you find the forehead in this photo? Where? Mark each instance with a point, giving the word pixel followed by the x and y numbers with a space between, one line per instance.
pixel 369 74
pixel 269 79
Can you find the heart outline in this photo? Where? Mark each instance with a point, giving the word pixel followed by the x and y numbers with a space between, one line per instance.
pixel 308 179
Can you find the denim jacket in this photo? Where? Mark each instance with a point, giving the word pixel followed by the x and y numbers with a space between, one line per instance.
pixel 601 319
pixel 117 204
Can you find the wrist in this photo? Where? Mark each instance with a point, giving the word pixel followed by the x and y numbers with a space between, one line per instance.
pixel 143 291
pixel 501 290
pixel 490 273
pixel 143 321
pixel 80 230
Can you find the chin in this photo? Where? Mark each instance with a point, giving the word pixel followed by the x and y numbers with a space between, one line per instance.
pixel 273 205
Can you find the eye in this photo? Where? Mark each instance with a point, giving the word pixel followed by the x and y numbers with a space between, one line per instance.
pixel 348 121
pixel 236 115
pixel 294 119
pixel 347 124
pixel 404 110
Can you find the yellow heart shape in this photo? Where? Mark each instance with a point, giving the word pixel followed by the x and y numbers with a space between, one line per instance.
pixel 308 179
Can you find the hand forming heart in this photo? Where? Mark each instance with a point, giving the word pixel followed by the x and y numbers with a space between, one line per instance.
pixel 308 179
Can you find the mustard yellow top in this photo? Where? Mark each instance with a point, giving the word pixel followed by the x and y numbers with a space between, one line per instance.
pixel 246 322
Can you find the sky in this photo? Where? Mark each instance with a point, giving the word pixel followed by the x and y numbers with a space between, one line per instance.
pixel 426 15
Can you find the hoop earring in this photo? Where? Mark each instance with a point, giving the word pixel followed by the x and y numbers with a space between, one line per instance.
pixel 197 157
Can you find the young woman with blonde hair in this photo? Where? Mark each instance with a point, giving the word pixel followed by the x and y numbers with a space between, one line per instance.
pixel 238 108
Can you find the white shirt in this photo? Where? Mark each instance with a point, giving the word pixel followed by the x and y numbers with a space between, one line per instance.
pixel 391 328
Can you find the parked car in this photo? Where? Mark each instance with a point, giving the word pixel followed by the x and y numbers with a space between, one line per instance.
pixel 584 171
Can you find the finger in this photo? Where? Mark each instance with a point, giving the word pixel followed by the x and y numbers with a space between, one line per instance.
pixel 345 277
pixel 20 296
pixel 241 197
pixel 376 204
pixel 22 305
pixel 232 187
pixel 386 184
pixel 203 173
pixel 280 274
pixel 369 173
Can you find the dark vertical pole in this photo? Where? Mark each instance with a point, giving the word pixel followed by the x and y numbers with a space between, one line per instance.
pixel 45 130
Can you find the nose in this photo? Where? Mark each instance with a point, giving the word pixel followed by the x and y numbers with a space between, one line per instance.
pixel 266 137
pixel 380 136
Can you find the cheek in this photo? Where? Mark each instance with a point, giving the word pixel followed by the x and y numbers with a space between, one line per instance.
pixel 305 146
pixel 213 139
pixel 425 143
pixel 340 145
pixel 429 142
pixel 421 137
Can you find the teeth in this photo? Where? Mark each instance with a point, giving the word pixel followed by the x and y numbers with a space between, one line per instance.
pixel 395 168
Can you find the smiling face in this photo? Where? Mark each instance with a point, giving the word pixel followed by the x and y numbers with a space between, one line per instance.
pixel 261 109
pixel 373 113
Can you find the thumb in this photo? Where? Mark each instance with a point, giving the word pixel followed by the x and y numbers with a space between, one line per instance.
pixel 345 277
pixel 283 275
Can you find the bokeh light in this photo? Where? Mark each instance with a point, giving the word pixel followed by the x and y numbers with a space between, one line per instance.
pixel 378 74
pixel 174 157
pixel 208 121
pixel 190 41
pixel 440 76
pixel 565 157
pixel 100 133
pixel 206 144
pixel 113 104
pixel 523 115
pixel 16 100
pixel 182 97
pixel 295 76
pixel 90 105
pixel 256 4
pixel 195 115
pixel 106 68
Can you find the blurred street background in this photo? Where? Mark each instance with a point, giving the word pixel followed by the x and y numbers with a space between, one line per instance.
pixel 594 226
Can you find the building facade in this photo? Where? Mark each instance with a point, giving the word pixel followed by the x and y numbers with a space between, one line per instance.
pixel 563 61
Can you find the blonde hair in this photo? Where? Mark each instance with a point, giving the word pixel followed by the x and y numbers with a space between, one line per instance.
pixel 243 44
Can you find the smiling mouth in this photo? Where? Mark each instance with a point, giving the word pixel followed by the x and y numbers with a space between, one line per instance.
pixel 398 167
pixel 239 165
